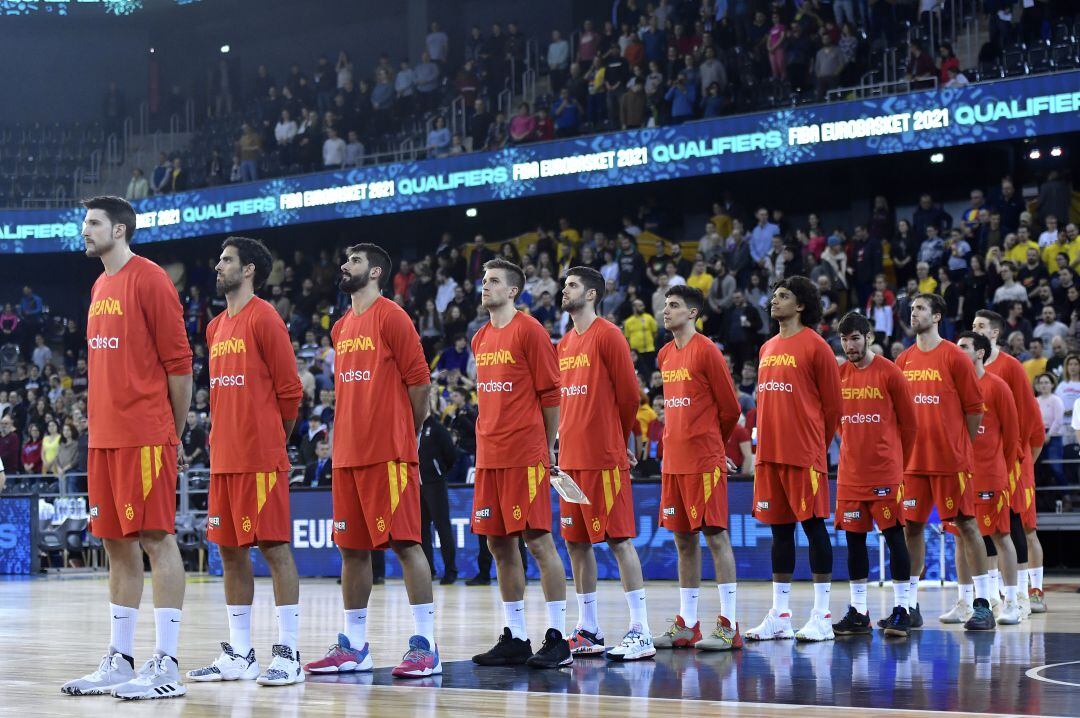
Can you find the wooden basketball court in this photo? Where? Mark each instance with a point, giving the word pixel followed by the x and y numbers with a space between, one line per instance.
pixel 55 629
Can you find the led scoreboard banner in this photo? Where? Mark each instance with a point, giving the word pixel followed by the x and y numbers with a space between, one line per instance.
pixel 987 112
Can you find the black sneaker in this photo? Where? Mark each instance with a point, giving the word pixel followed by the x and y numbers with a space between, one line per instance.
pixel 509 651
pixel 853 624
pixel 479 580
pixel 555 653
pixel 899 623
pixel 448 578
pixel 915 614
pixel 982 618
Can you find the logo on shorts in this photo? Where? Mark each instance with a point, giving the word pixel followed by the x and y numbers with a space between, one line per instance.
pixel 483 514
pixel 213 522
pixel 762 505
pixel 339 525
pixel 852 515
pixel 245 524
pixel 949 503
pixel 882 490
pixel 596 525
pixel 380 524
pixel 517 513
pixel 910 503
pixel 886 512
pixel 669 511
pixel 94 511
pixel 693 512
pixel 986 496
pixel 986 520
pixel 129 512
pixel 802 504
pixel 567 520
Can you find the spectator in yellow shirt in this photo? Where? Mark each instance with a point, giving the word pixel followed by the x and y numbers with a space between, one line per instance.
pixel 640 331
pixel 1019 252
pixel 927 284
pixel 699 278
pixel 1036 365
pixel 1063 245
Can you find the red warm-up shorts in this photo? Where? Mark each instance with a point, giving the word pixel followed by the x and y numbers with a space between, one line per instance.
pixel 785 494
pixel 690 502
pixel 247 508
pixel 509 501
pixel 376 504
pixel 858 508
pixel 952 494
pixel 131 489
pixel 610 511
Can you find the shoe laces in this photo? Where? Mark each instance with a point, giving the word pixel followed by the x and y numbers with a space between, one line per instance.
pixel 673 628
pixel 631 638
pixel 415 655
pixel 108 663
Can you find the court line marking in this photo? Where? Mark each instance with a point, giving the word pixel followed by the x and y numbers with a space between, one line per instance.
pixel 1036 673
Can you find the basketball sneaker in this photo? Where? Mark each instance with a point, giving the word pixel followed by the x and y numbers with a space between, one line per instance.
pixel 724 638
pixel 586 643
pixel 982 618
pixel 960 613
pixel 898 624
pixel 508 651
pixel 229 666
pixel 1038 600
pixel 342 658
pixel 818 628
pixel 555 653
pixel 678 635
pixel 420 661
pixel 1009 615
pixel 853 623
pixel 113 671
pixel 284 670
pixel 635 646
pixel 1024 603
pixel 776 625
pixel 914 615
pixel 158 678
pixel 995 606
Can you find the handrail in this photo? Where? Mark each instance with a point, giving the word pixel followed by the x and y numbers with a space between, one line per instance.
pixel 189 115
pixel 144 116
pixel 504 101
pixel 457 116
pixel 528 86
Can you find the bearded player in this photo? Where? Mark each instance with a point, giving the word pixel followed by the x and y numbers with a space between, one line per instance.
pixel 139 392
pixel 948 410
pixel 517 384
pixel 799 408
pixel 597 416
pixel 700 412
pixel 877 430
pixel 254 398
pixel 1023 517
pixel 381 392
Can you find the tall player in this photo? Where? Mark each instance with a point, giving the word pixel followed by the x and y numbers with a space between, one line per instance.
pixel 799 408
pixel 948 411
pixel 139 392
pixel 996 447
pixel 517 384
pixel 700 412
pixel 877 430
pixel 254 398
pixel 597 416
pixel 1029 554
pixel 381 387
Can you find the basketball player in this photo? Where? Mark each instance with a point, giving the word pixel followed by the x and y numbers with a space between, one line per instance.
pixel 700 412
pixel 948 412
pixel 517 385
pixel 139 391
pixel 799 408
pixel 597 415
pixel 877 430
pixel 1023 519
pixel 995 447
pixel 254 398
pixel 381 387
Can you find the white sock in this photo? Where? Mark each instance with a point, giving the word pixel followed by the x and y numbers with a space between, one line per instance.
pixel 639 613
pixel 781 598
pixel 423 616
pixel 1022 582
pixel 821 598
pixel 688 598
pixel 556 611
pixel 167 628
pixel 288 624
pixel 240 628
pixel 913 592
pixel 586 606
pixel 1010 594
pixel 858 596
pixel 514 613
pixel 995 582
pixel 122 636
pixel 728 601
pixel 982 586
pixel 356 627
pixel 1035 576
pixel 901 590
pixel 967 594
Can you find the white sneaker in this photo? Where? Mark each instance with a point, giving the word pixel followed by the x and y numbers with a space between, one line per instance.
pixel 960 613
pixel 229 666
pixel 995 606
pixel 113 671
pixel 636 645
pixel 1024 604
pixel 158 678
pixel 818 628
pixel 284 670
pixel 776 625
pixel 1009 615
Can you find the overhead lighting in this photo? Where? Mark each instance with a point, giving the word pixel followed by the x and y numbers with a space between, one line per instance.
pixel 151 51
pixel 470 212
pixel 225 49
pixel 937 158
pixel 1035 154
pixel 1056 152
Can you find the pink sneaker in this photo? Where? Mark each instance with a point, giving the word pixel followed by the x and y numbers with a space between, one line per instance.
pixel 342 658
pixel 419 661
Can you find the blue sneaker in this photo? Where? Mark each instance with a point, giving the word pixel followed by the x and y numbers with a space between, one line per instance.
pixel 419 661
pixel 342 658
